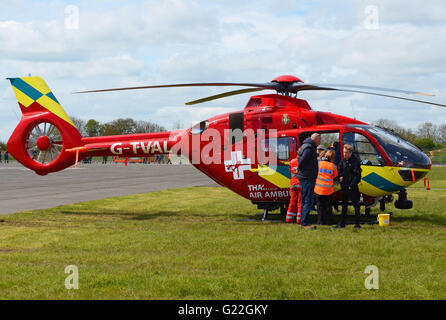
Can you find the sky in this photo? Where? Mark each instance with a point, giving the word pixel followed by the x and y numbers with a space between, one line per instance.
pixel 84 45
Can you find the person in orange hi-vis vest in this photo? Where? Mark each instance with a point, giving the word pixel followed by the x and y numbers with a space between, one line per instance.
pixel 324 189
pixel 294 207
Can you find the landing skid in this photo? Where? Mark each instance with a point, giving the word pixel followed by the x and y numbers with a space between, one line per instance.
pixel 267 216
pixel 266 213
pixel 271 218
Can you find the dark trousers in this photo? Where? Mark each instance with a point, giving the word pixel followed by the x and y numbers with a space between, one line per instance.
pixel 353 196
pixel 324 209
pixel 307 192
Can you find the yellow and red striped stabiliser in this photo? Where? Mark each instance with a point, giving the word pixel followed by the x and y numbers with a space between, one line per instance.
pixel 31 90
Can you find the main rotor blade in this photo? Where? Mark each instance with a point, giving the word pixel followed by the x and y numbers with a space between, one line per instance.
pixel 279 87
pixel 222 95
pixel 372 93
pixel 272 86
pixel 308 86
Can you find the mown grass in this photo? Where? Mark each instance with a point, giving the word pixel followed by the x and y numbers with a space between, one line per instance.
pixel 439 156
pixel 189 244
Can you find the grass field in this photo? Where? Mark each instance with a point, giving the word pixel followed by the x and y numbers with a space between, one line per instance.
pixel 188 244
pixel 439 156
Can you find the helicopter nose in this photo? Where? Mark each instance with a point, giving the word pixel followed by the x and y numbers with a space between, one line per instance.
pixel 418 159
pixel 412 175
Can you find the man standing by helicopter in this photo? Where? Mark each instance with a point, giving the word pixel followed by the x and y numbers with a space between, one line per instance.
pixel 307 173
pixel 349 176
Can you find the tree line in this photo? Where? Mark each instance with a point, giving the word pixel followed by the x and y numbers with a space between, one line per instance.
pixel 426 136
pixel 93 128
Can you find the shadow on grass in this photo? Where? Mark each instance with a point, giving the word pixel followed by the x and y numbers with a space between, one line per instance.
pixel 123 214
pixel 145 215
pixel 272 217
pixel 432 219
pixel 335 218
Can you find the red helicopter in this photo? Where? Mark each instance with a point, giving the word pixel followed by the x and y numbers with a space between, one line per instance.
pixel 246 151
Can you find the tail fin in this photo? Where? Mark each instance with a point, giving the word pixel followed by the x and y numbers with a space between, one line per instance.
pixel 33 94
pixel 45 130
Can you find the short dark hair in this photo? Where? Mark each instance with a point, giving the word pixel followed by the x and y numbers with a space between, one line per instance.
pixel 349 147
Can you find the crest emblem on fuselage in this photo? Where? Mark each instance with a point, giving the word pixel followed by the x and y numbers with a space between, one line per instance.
pixel 285 119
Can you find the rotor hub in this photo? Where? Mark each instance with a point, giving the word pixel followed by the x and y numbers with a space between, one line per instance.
pixel 284 84
pixel 287 78
pixel 43 143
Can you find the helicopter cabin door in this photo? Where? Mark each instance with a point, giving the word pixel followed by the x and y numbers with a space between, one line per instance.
pixel 278 153
pixel 363 148
pixel 281 150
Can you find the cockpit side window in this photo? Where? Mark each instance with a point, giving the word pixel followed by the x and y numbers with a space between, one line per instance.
pixel 199 128
pixel 363 149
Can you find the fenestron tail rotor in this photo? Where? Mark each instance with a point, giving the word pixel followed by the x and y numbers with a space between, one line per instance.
pixel 44 143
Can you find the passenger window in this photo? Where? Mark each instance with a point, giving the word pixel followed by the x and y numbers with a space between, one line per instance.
pixel 236 125
pixel 283 148
pixel 364 149
pixel 199 128
pixel 329 140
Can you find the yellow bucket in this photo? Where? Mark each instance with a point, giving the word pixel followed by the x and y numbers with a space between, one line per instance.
pixel 384 220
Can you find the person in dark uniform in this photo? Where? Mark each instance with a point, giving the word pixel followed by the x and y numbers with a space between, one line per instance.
pixel 307 169
pixel 349 176
pixel 335 146
pixel 6 155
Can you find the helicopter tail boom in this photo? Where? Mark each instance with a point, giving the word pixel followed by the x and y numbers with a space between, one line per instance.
pixel 133 145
